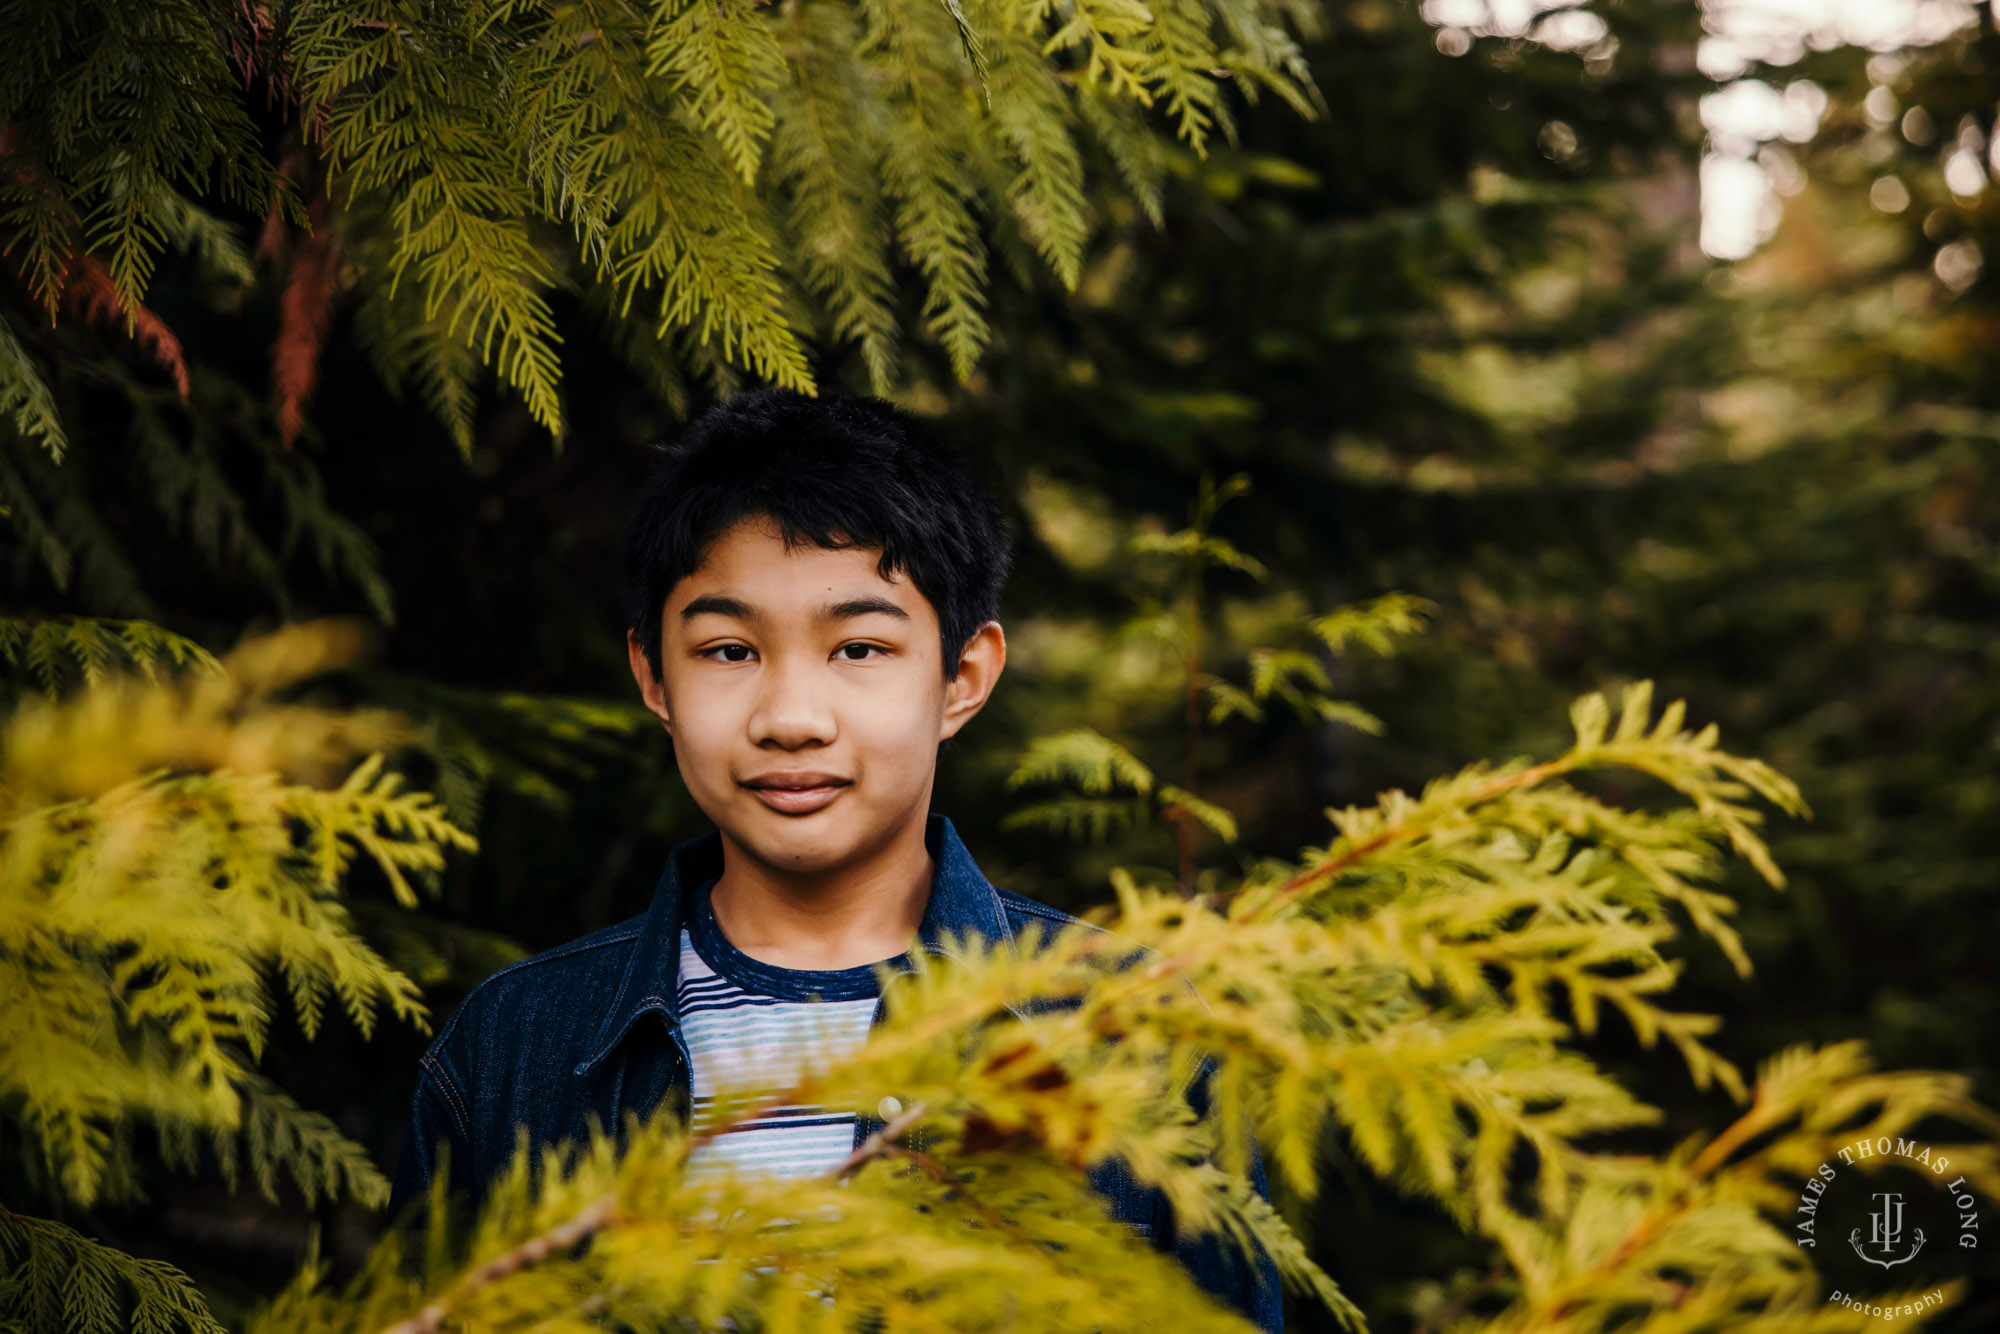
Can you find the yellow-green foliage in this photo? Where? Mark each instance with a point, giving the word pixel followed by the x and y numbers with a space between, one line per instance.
pixel 61 652
pixel 1402 983
pixel 166 847
pixel 1111 788
pixel 1096 767
pixel 723 181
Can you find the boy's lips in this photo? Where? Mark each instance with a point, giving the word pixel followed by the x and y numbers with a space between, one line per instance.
pixel 797 793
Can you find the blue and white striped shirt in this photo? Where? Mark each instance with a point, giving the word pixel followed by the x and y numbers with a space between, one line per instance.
pixel 752 1026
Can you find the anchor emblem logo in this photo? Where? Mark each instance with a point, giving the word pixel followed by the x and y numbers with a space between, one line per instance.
pixel 1885 1233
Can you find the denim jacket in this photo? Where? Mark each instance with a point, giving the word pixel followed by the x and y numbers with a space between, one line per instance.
pixel 589 1030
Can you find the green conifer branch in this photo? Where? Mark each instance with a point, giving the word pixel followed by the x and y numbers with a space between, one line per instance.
pixel 110 110
pixel 1029 119
pixel 455 198
pixel 926 147
pixel 63 651
pixel 721 57
pixel 1380 624
pixel 405 344
pixel 25 396
pixel 828 134
pixel 1118 127
pixel 1091 761
pixel 54 1277
pixel 81 553
pixel 191 450
pixel 1181 60
pixel 163 841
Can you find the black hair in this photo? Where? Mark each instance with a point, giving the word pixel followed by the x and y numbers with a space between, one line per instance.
pixel 835 471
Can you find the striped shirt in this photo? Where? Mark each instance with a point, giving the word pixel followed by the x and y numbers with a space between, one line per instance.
pixel 752 1026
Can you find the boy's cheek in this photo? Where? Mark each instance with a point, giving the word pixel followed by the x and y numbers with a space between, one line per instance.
pixel 704 766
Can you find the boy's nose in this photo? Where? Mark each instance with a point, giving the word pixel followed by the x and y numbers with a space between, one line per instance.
pixel 791 712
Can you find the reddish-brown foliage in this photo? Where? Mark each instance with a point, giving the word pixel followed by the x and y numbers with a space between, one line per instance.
pixel 303 315
pixel 93 299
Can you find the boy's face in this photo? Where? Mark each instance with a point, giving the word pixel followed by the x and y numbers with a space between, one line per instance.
pixel 806 698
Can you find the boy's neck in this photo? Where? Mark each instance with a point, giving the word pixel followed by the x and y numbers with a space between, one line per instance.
pixel 859 913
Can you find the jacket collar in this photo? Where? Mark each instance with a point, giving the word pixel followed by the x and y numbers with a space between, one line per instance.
pixel 962 902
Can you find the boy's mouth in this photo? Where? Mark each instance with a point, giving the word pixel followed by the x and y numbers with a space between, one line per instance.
pixel 797 793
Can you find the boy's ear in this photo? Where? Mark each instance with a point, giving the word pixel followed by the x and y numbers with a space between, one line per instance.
pixel 651 689
pixel 979 668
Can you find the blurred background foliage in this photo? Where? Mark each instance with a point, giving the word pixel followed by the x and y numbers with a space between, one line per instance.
pixel 1459 338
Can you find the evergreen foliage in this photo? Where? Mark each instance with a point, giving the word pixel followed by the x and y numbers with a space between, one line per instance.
pixel 166 842
pixel 535 746
pixel 739 173
pixel 63 652
pixel 25 397
pixel 52 1277
pixel 190 454
pixel 274 1134
pixel 1458 362
pixel 114 112
pixel 721 187
pixel 1404 981
pixel 1288 672
pixel 171 847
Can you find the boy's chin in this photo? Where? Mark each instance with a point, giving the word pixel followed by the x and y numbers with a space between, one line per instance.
pixel 800 845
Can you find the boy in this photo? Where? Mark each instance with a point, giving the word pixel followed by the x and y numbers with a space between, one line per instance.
pixel 811 589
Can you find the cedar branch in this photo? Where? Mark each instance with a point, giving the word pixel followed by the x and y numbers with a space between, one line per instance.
pixel 600 1215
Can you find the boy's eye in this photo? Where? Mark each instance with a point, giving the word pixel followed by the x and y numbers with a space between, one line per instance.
pixel 729 652
pixel 857 652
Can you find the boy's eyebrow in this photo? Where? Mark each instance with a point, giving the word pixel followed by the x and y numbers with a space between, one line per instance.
pixel 863 606
pixel 716 604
